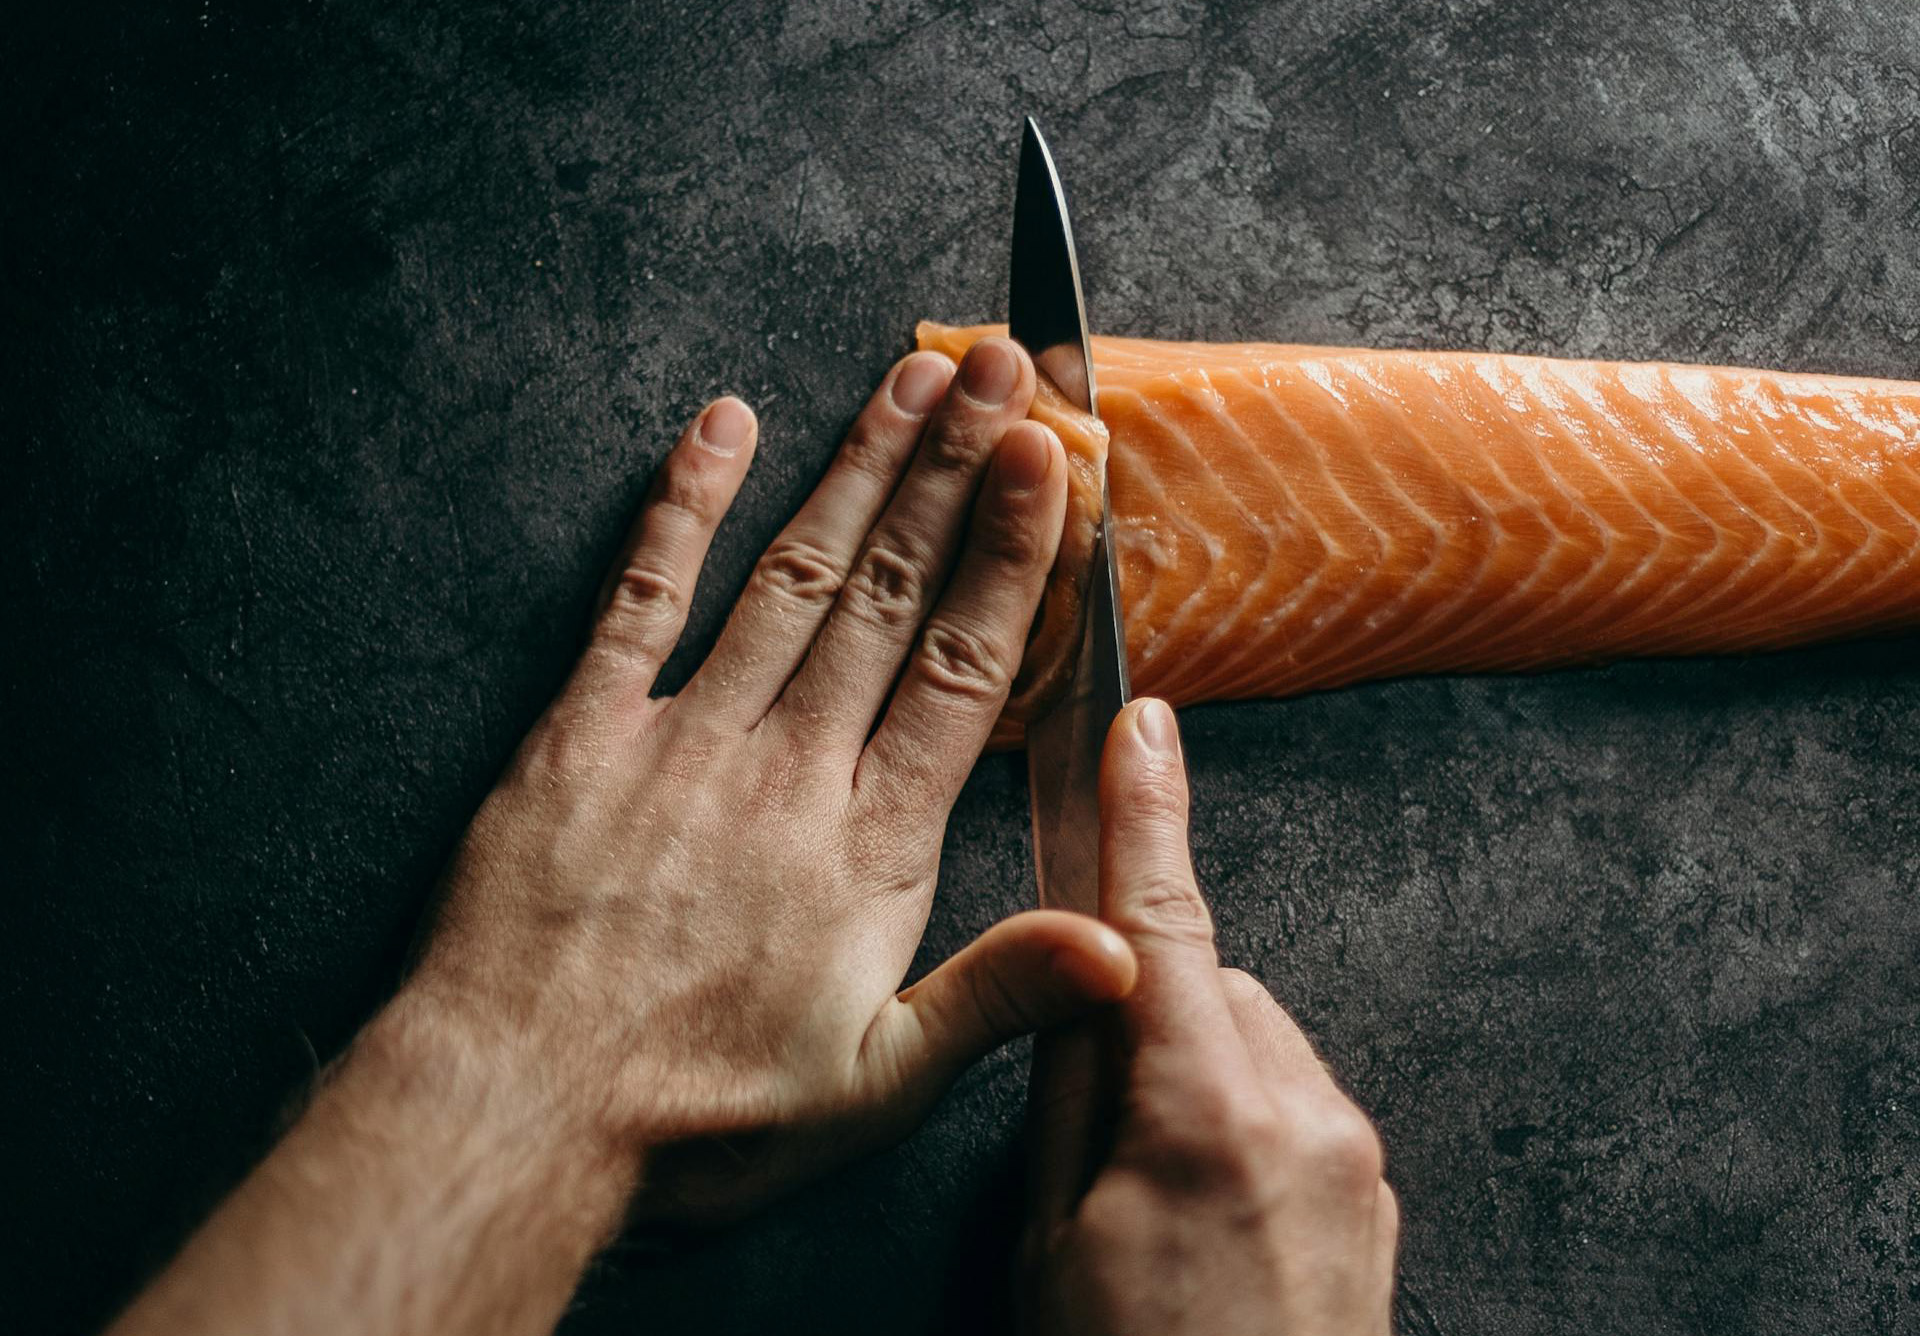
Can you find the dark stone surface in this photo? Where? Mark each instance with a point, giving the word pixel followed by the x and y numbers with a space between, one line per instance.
pixel 342 335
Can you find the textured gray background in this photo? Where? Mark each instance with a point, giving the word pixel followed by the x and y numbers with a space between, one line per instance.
pixel 342 336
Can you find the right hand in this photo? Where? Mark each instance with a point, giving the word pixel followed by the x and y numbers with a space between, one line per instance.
pixel 1242 1190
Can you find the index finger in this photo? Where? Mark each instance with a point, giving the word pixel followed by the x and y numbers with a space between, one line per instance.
pixel 1148 892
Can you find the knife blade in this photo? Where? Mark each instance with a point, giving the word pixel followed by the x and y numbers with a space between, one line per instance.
pixel 1046 312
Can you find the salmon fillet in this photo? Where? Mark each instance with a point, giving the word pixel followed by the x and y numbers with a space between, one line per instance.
pixel 1290 518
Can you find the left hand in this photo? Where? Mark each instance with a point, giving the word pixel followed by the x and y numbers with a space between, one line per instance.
pixel 682 921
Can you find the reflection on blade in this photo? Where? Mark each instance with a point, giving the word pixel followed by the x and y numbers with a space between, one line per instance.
pixel 1046 313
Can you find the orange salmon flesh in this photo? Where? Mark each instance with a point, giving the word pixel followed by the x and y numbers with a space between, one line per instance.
pixel 1290 518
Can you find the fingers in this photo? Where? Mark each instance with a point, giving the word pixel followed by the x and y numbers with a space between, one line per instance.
pixel 1030 971
pixel 1342 1225
pixel 643 604
pixel 1281 1052
pixel 1147 888
pixel 1304 1090
pixel 971 647
pixel 802 571
pixel 846 675
pixel 1328 1166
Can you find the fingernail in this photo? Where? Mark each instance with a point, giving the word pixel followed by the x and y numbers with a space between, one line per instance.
pixel 920 383
pixel 1157 728
pixel 990 372
pixel 726 426
pixel 1025 457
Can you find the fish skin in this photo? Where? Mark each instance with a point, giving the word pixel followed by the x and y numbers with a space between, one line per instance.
pixel 1290 518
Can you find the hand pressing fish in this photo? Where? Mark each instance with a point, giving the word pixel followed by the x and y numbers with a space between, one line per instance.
pixel 1289 518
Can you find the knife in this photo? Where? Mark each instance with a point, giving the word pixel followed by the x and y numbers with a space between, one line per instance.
pixel 1047 313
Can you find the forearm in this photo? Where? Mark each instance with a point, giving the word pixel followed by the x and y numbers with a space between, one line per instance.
pixel 425 1189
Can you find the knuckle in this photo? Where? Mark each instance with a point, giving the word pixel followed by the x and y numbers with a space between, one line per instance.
pixel 955 445
pixel 1241 987
pixel 1157 798
pixel 1215 1139
pixel 793 568
pixel 961 663
pixel 1014 537
pixel 684 486
pixel 872 450
pixel 1262 1138
pixel 1336 1143
pixel 691 753
pixel 1250 1154
pixel 646 589
pixel 644 600
pixel 887 586
pixel 1165 901
pixel 1206 1106
pixel 567 744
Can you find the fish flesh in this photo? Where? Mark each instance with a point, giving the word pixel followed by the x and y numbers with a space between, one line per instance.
pixel 1290 518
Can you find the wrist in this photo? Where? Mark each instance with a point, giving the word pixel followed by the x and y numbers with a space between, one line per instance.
pixel 429 1185
pixel 460 1084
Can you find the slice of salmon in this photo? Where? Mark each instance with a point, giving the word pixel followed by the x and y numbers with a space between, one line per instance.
pixel 1290 518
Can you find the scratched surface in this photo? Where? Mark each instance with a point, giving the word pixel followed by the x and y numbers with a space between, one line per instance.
pixel 341 337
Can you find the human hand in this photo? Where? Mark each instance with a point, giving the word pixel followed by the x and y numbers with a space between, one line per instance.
pixel 683 921
pixel 1242 1191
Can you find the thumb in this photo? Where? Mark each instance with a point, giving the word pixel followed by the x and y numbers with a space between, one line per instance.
pixel 1025 973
